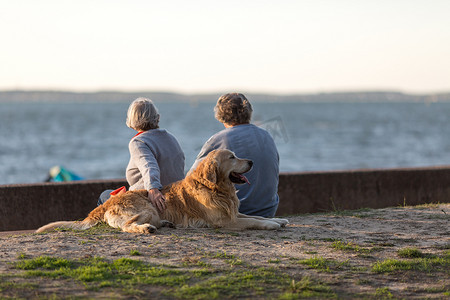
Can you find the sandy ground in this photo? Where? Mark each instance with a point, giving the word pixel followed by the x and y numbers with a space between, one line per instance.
pixel 382 232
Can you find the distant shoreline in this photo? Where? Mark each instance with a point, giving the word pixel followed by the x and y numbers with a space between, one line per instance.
pixel 117 96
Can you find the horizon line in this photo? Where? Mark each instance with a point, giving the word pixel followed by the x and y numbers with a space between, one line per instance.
pixel 216 92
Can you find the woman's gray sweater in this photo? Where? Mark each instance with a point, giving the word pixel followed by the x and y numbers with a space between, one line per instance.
pixel 156 159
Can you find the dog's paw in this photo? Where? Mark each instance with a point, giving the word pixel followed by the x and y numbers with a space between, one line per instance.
pixel 282 222
pixel 270 225
pixel 165 223
pixel 147 228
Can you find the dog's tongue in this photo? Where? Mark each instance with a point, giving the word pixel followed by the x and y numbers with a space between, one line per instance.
pixel 242 177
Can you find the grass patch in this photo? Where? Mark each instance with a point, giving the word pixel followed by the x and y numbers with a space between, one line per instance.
pixel 242 283
pixel 219 254
pixel 22 255
pixel 234 261
pixel 135 252
pixel 383 293
pixel 192 280
pixel 97 272
pixel 443 247
pixel 427 205
pixel 339 245
pixel 307 288
pixel 6 285
pixel 230 259
pixel 363 281
pixel 194 261
pixel 322 264
pixel 410 253
pixel 254 283
pixel 329 240
pixel 424 264
pixel 43 262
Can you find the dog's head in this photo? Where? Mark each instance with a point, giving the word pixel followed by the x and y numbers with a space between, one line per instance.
pixel 222 165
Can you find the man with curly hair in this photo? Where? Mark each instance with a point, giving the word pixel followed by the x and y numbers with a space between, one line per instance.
pixel 259 197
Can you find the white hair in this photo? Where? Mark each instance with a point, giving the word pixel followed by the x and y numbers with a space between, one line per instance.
pixel 142 115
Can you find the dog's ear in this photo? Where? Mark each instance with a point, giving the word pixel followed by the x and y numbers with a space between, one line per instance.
pixel 207 169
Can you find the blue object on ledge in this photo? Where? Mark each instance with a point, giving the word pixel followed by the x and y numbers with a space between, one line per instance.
pixel 60 174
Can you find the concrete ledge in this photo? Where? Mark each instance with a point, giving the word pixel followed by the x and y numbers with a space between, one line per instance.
pixel 347 190
pixel 28 206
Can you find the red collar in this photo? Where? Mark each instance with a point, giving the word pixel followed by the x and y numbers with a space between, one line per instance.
pixel 138 133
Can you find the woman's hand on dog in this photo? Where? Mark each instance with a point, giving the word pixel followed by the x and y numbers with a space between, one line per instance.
pixel 157 199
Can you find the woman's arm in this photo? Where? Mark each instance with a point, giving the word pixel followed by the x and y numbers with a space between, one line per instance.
pixel 146 162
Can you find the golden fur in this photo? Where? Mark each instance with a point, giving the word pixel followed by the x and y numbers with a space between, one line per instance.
pixel 205 198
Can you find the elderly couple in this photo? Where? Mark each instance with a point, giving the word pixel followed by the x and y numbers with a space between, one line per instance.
pixel 156 158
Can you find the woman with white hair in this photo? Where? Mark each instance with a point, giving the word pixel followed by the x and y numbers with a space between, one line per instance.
pixel 156 158
pixel 234 111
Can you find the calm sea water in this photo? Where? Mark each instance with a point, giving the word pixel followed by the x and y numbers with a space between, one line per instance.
pixel 91 139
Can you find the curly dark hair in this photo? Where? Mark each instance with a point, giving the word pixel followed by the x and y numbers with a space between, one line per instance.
pixel 233 109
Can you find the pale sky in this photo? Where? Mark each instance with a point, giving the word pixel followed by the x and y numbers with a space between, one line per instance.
pixel 219 46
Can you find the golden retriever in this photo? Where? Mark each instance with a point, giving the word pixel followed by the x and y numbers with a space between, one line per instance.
pixel 205 198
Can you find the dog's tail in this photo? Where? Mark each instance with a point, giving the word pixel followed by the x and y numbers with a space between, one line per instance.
pixel 77 225
pixel 94 217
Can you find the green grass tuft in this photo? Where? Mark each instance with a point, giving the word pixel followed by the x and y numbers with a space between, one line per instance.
pixel 307 288
pixel 410 253
pixel 425 264
pixel 322 264
pixel 130 277
pixel 135 252
pixel 44 262
pixel 339 245
pixel 22 255
pixel 239 284
pixel 97 272
pixel 383 293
